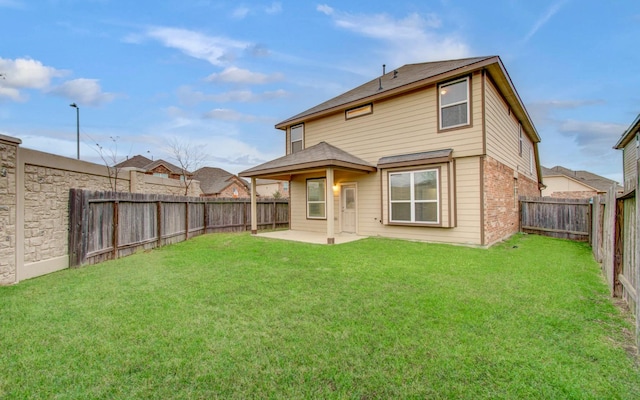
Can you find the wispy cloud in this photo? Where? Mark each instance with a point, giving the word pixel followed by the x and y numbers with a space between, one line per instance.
pixel 188 96
pixel 217 50
pixel 25 73
pixel 242 76
pixel 414 38
pixel 551 11
pixel 84 92
pixel 240 12
pixel 225 114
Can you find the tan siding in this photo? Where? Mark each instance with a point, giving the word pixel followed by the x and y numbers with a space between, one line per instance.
pixel 563 184
pixel 503 135
pixel 413 117
pixel 629 161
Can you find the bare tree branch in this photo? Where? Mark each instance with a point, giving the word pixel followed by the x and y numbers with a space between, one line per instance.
pixel 189 158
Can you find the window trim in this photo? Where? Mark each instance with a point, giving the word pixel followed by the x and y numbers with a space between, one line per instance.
pixel 467 101
pixel 291 137
pixel 324 201
pixel 412 201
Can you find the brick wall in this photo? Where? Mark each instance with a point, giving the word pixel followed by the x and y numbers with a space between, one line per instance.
pixel 8 153
pixel 501 192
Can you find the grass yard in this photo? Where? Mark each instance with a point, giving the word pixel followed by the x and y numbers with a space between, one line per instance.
pixel 232 316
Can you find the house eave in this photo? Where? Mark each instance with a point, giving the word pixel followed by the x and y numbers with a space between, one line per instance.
pixel 628 135
pixel 287 171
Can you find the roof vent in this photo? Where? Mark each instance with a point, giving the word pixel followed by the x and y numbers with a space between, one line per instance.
pixel 379 83
pixel 395 73
pixel 384 68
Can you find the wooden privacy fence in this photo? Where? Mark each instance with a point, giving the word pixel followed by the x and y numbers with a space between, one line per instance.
pixel 108 225
pixel 561 218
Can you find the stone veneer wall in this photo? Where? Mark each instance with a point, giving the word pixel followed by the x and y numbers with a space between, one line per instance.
pixel 46 208
pixel 8 197
pixel 34 205
pixel 501 192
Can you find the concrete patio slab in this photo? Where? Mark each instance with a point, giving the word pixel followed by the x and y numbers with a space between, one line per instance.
pixel 310 237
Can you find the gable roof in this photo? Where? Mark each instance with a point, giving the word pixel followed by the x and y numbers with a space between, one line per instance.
pixel 137 161
pixel 321 155
pixel 171 167
pixel 628 134
pixel 597 182
pixel 144 163
pixel 214 180
pixel 413 76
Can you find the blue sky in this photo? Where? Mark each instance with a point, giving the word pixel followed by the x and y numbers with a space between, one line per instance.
pixel 220 74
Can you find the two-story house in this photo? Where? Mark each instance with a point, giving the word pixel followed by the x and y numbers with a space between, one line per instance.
pixel 436 151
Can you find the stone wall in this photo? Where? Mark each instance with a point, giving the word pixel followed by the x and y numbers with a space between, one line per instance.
pixel 34 205
pixel 8 154
pixel 502 188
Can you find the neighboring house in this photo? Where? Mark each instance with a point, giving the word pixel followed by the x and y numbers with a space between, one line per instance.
pixel 216 182
pixel 437 151
pixel 561 182
pixel 269 187
pixel 161 168
pixel 629 143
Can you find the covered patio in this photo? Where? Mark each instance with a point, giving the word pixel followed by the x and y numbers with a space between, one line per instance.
pixel 321 157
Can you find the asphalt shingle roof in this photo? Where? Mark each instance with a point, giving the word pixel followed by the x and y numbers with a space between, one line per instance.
pixel 597 182
pixel 320 155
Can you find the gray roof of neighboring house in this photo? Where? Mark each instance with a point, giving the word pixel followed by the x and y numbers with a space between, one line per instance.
pixel 171 167
pixel 406 75
pixel 600 183
pixel 321 155
pixel 144 163
pixel 135 162
pixel 214 180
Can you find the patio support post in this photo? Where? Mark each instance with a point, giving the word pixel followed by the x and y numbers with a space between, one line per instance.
pixel 254 208
pixel 330 206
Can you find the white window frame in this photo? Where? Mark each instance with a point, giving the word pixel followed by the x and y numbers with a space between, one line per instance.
pixel 412 199
pixel 301 140
pixel 323 201
pixel 441 106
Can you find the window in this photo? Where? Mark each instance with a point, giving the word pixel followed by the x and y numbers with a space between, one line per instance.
pixel 285 186
pixel 161 175
pixel 359 111
pixel 297 135
pixel 454 103
pixel 414 196
pixel 521 139
pixel 316 198
pixel 531 160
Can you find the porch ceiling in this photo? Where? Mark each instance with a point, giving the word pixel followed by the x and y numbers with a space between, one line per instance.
pixel 314 158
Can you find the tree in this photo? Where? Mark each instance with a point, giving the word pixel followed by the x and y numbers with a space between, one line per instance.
pixel 110 158
pixel 188 157
pixel 277 195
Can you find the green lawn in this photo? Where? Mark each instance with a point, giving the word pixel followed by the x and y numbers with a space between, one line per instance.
pixel 234 316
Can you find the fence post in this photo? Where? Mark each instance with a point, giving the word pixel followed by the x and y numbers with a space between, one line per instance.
pixel 159 220
pixel 186 220
pixel 115 229
pixel 274 215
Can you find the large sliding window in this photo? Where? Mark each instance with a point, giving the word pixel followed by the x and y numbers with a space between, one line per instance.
pixel 316 198
pixel 297 138
pixel 414 197
pixel 454 103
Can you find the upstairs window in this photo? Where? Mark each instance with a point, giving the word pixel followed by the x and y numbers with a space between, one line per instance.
pixel 454 103
pixel 297 136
